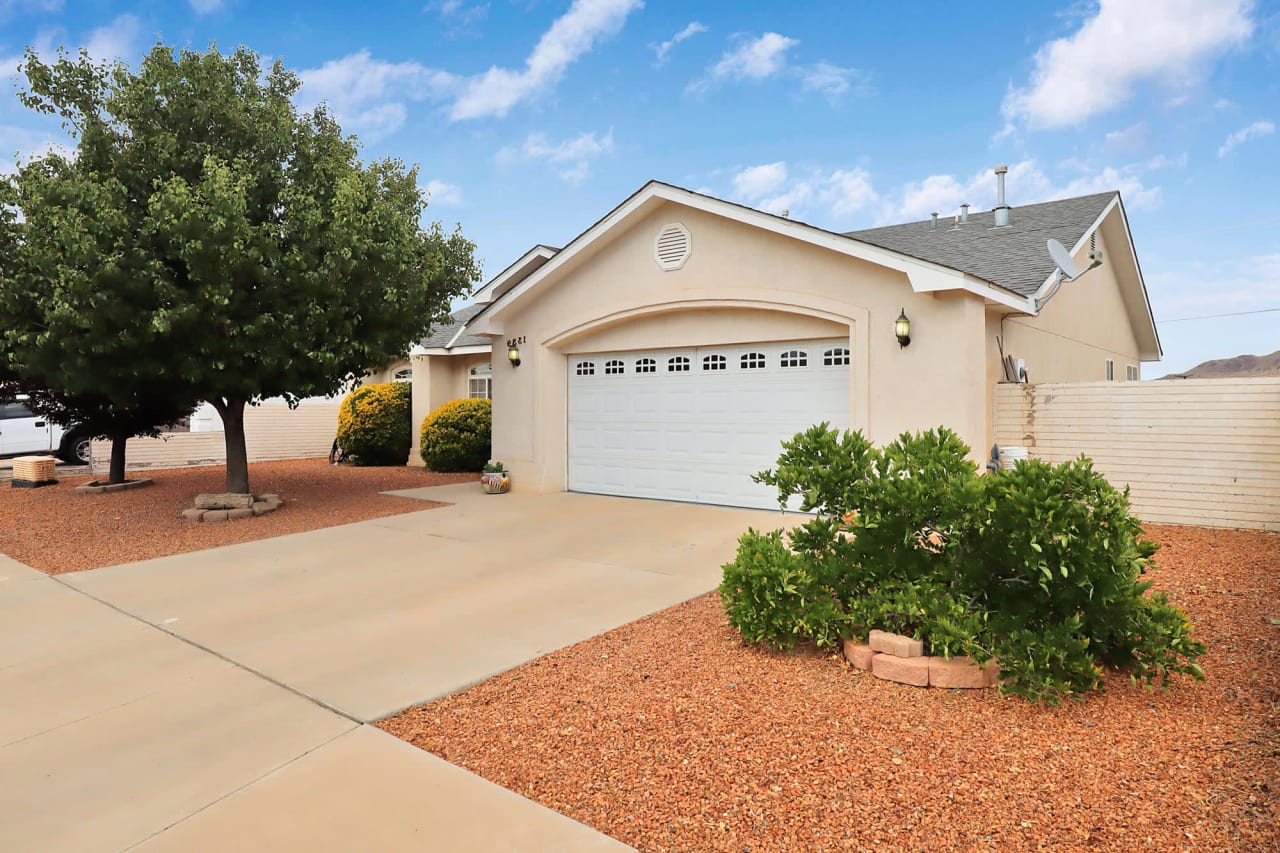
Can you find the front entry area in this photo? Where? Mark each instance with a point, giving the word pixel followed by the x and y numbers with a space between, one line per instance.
pixel 695 424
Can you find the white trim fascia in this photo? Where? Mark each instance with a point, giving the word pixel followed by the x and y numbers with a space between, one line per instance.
pixel 485 293
pixel 1057 274
pixel 924 276
pixel 1142 283
pixel 476 349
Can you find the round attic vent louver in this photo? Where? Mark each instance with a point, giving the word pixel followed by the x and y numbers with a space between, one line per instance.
pixel 672 246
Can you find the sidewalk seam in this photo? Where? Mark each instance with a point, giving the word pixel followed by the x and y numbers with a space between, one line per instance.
pixel 219 655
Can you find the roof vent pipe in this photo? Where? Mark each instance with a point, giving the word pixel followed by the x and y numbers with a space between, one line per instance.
pixel 1002 210
pixel 935 220
pixel 964 212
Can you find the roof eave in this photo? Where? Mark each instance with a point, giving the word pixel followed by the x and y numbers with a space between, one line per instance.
pixel 924 276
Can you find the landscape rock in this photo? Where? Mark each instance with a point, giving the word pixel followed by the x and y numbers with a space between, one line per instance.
pixel 223 500
pixel 240 512
pixel 858 654
pixel 961 672
pixel 913 671
pixel 261 508
pixel 193 514
pixel 215 515
pixel 896 644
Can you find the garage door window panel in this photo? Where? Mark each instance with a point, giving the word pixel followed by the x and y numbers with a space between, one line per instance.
pixel 795 358
pixel 835 357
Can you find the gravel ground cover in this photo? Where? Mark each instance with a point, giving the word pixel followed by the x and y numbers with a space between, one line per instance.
pixel 55 530
pixel 669 734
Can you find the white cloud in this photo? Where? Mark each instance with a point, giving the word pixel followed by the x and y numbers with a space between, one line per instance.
pixel 755 182
pixel 206 7
pixel 833 80
pixel 14 7
pixel 118 40
pixel 26 144
pixel 442 193
pixel 1193 287
pixel 1256 130
pixel 572 158
pixel 1026 183
pixel 1130 140
pixel 1126 42
pixel 664 50
pixel 760 58
pixel 769 187
pixel 752 59
pixel 846 192
pixel 369 96
pixel 458 17
pixel 496 91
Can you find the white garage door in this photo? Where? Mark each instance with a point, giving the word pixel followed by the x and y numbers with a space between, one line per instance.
pixel 695 424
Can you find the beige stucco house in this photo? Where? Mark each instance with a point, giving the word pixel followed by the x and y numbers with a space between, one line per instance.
pixel 666 350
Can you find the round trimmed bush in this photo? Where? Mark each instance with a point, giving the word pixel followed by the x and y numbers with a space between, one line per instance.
pixel 456 436
pixel 374 423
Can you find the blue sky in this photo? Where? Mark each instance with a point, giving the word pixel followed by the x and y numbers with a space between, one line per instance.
pixel 532 118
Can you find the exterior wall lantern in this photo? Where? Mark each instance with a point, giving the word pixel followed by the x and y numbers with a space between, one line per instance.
pixel 902 328
pixel 513 350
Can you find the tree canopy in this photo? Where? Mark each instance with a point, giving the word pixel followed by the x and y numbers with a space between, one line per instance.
pixel 209 236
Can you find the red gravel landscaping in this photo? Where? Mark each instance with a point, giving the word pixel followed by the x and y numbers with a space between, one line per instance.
pixel 669 734
pixel 55 530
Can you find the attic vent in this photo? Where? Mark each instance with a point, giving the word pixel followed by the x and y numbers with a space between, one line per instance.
pixel 671 248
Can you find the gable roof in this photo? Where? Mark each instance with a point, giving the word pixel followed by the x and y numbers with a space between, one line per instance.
pixel 1014 257
pixel 1007 267
pixel 443 335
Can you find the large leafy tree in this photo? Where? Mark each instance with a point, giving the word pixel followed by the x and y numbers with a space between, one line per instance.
pixel 251 252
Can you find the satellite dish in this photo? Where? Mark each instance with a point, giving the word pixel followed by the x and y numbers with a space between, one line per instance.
pixel 1062 258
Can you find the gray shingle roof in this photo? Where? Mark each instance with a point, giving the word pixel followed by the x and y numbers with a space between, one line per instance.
pixel 441 335
pixel 1013 258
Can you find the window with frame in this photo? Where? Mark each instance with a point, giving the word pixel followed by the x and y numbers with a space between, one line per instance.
pixel 404 374
pixel 1131 372
pixel 715 362
pixel 752 361
pixel 678 364
pixel 795 358
pixel 834 357
pixel 613 367
pixel 646 365
pixel 585 368
pixel 1110 370
pixel 480 382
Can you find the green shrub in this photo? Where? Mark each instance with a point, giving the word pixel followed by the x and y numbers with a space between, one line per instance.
pixel 1039 567
pixel 770 597
pixel 457 436
pixel 374 424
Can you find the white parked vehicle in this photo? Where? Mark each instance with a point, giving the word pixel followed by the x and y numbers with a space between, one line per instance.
pixel 23 432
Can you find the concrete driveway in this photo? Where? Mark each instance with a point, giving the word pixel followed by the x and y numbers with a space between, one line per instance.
pixel 218 699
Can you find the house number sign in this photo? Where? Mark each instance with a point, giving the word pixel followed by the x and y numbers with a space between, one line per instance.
pixel 515 342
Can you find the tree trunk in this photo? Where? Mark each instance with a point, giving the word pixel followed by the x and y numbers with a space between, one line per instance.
pixel 232 411
pixel 116 473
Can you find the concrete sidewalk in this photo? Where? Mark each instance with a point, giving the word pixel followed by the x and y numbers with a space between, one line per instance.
pixel 215 700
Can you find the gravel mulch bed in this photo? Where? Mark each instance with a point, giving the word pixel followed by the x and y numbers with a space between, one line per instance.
pixel 669 734
pixel 55 530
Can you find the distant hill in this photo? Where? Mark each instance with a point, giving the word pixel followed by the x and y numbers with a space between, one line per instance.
pixel 1240 365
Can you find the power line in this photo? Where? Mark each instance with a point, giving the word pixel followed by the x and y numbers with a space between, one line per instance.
pixel 1215 316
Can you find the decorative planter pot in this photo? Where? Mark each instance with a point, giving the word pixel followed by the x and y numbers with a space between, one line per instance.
pixel 496 482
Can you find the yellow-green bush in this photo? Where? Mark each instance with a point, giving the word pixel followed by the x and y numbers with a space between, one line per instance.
pixel 456 436
pixel 374 424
